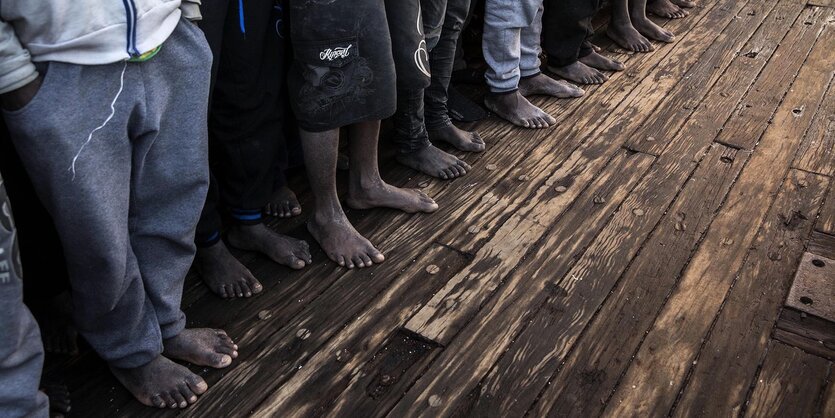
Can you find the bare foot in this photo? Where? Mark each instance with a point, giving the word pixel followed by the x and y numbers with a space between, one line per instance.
pixel 603 63
pixel 629 38
pixel 282 249
pixel 283 204
pixel 458 138
pixel 202 347
pixel 687 4
pixel 579 72
pixel 434 162
pixel 666 9
pixel 224 274
pixel 541 84
pixel 517 110
pixel 162 383
pixel 342 243
pixel 649 29
pixel 384 195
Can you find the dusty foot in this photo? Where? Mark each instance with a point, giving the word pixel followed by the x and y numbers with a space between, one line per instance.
pixel 162 383
pixel 60 402
pixel 458 138
pixel 579 72
pixel 649 29
pixel 385 195
pixel 434 162
pixel 342 243
pixel 59 333
pixel 665 8
pixel 687 4
pixel 517 110
pixel 282 249
pixel 224 274
pixel 283 203
pixel 202 347
pixel 629 38
pixel 541 84
pixel 600 62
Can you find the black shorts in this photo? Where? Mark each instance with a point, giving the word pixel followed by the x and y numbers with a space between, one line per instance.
pixel 343 71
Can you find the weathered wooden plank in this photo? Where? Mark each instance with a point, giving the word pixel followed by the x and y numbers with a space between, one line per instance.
pixel 645 86
pixel 692 88
pixel 530 362
pixel 312 389
pixel 827 408
pixel 460 365
pixel 807 332
pixel 817 152
pixel 437 320
pixel 650 383
pixel 593 367
pixel 288 349
pixel 826 220
pixel 789 384
pixel 821 3
pixel 813 290
pixel 758 106
pixel 727 363
pixel 822 244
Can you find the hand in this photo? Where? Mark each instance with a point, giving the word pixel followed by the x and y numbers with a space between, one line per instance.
pixel 17 99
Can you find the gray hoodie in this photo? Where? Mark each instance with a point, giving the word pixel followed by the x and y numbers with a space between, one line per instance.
pixel 85 32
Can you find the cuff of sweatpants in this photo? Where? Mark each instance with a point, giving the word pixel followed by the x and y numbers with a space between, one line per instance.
pixel 173 329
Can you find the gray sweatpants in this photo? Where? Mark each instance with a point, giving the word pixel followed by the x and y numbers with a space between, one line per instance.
pixel 21 350
pixel 511 42
pixel 118 154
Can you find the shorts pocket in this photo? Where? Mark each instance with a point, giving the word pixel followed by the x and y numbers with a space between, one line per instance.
pixel 43 90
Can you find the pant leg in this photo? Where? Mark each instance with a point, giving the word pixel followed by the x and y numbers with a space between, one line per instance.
pixel 504 21
pixel 567 25
pixel 214 18
pixel 531 39
pixel 411 62
pixel 21 350
pixel 447 23
pixel 246 117
pixel 73 140
pixel 170 169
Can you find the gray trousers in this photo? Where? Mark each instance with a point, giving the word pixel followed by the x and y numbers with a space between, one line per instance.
pixel 118 154
pixel 21 350
pixel 511 43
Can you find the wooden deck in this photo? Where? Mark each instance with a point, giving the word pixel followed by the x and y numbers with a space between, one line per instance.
pixel 632 261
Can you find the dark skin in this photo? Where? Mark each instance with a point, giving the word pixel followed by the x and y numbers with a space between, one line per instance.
pixel 587 69
pixel 632 30
pixel 518 110
pixel 283 204
pixel 228 278
pixel 366 189
pixel 17 99
pixel 666 9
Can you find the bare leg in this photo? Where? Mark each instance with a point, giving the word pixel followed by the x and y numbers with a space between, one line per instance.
pixel 638 14
pixel 328 223
pixel 366 189
pixel 622 32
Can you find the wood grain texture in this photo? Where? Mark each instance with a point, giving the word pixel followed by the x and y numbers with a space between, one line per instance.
pixel 672 344
pixel 817 152
pixel 727 362
pixel 789 384
pixel 826 220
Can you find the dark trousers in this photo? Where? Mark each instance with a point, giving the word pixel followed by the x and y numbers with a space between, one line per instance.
pixel 567 26
pixel 422 105
pixel 248 151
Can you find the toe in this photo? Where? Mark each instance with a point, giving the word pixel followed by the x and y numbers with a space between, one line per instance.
pixel 296 210
pixel 245 288
pixel 255 285
pixel 236 290
pixel 158 402
pixel 366 259
pixel 358 261
pixel 464 164
pixel 221 360
pixel 221 291
pixel 269 209
pixel 186 392
pixel 169 401
pixel 178 397
pixel 376 256
pixel 341 261
pixel 197 385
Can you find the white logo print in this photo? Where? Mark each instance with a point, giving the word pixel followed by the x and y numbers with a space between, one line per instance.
pixel 331 54
pixel 421 54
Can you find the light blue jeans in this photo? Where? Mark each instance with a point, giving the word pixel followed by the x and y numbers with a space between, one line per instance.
pixel 511 43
